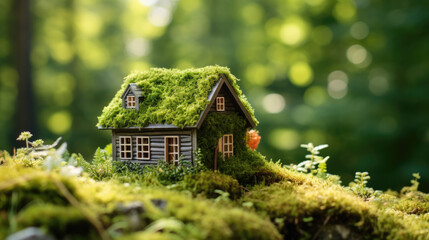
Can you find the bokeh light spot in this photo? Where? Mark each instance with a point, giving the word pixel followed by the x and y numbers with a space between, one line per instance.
pixel 284 138
pixel 337 84
pixel 344 11
pixel 337 89
pixel 148 2
pixel 138 47
pixel 338 75
pixel 61 51
pixel 259 74
pixel 356 54
pixel 93 54
pixel 378 82
pixel 159 16
pixel 315 96
pixel 359 30
pixel 252 13
pixel 60 122
pixel 301 74
pixel 293 31
pixel 273 103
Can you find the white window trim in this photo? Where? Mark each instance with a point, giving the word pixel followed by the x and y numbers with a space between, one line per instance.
pixel 224 144
pixel 123 152
pixel 140 148
pixel 220 104
pixel 176 154
pixel 131 102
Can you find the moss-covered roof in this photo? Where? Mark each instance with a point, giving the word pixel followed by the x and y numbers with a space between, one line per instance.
pixel 171 96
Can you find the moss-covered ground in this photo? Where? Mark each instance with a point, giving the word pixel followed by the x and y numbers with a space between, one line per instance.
pixel 105 201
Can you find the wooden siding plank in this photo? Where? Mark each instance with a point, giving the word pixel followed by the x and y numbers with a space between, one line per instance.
pixel 185 149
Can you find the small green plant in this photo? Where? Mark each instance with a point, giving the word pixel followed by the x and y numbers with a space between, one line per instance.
pixel 170 174
pixel 25 136
pixel 223 196
pixel 37 143
pixel 359 186
pixel 315 164
pixel 414 185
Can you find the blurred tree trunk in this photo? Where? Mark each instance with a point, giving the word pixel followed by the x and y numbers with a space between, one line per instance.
pixel 21 35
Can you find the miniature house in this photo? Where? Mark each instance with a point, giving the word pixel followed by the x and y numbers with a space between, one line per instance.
pixel 157 114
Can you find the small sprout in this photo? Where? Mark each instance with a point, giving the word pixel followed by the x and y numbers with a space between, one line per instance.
pixel 24 136
pixel 359 186
pixel 37 143
pixel 309 166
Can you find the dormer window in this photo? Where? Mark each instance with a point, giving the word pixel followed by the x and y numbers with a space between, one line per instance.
pixel 131 102
pixel 132 97
pixel 220 104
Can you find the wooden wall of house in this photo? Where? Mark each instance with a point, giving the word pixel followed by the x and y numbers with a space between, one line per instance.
pixel 157 146
pixel 230 104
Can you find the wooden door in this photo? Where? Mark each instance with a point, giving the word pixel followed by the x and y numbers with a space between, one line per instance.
pixel 172 147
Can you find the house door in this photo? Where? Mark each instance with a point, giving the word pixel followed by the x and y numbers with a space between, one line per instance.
pixel 226 145
pixel 172 150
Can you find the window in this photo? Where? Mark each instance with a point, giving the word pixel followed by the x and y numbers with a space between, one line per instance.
pixel 143 148
pixel 220 104
pixel 131 102
pixel 172 150
pixel 125 147
pixel 226 145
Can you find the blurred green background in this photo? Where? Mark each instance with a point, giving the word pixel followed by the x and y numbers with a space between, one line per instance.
pixel 349 73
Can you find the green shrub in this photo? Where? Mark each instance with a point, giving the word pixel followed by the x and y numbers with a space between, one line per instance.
pixel 165 173
pixel 205 183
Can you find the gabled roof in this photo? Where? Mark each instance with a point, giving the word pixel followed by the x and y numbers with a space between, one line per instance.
pixel 173 97
pixel 132 87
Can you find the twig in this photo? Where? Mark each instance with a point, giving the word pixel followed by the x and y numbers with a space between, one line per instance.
pixel 320 229
pixel 73 201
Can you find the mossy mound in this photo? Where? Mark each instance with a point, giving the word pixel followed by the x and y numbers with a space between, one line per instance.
pixel 278 202
pixel 305 206
pixel 171 96
pixel 205 183
pixel 57 220
pixel 96 204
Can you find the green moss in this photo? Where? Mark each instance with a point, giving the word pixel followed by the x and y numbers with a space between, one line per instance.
pixel 30 184
pixel 196 218
pixel 213 128
pixel 302 204
pixel 247 166
pixel 205 183
pixel 171 96
pixel 57 220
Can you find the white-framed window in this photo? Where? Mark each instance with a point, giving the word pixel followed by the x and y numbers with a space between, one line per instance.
pixel 220 104
pixel 172 150
pixel 131 102
pixel 143 148
pixel 125 145
pixel 226 145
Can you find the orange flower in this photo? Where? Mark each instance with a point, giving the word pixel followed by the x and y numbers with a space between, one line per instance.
pixel 253 139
